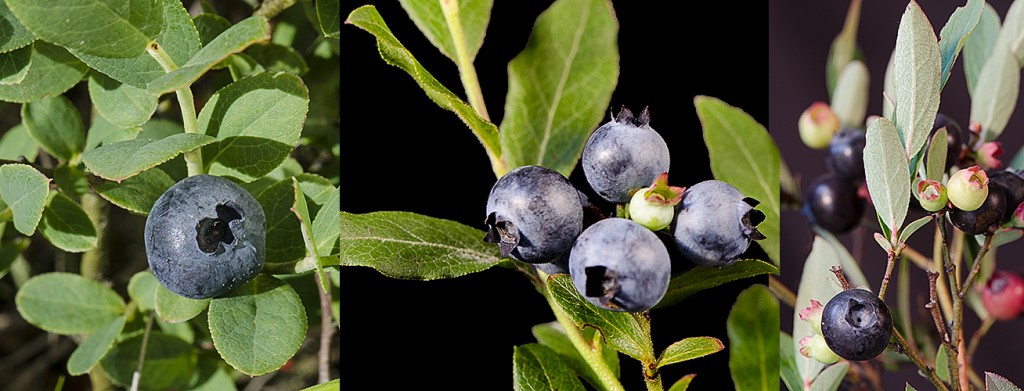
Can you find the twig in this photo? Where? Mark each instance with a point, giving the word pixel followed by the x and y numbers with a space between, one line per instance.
pixel 977 265
pixel 939 323
pixel 917 258
pixel 911 353
pixel 976 338
pixel 943 284
pixel 142 353
pixel 838 271
pixel 326 332
pixel 890 264
pixel 958 303
pixel 467 71
pixel 781 291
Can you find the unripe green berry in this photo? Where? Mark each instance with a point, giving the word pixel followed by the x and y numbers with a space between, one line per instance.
pixel 932 195
pixel 817 125
pixel 812 315
pixel 968 188
pixel 654 207
pixel 814 346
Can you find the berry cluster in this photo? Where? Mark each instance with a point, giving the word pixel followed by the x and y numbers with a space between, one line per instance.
pixel 833 200
pixel 535 215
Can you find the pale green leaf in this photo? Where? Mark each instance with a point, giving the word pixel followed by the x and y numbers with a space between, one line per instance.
pixel 935 163
pixel 913 227
pixel 1011 35
pixel 66 304
pixel 56 125
pixel 256 121
pixel 851 267
pixel 14 65
pixel 13 35
pixel 753 328
pixel 683 383
pixel 252 347
pixel 106 28
pixel 124 159
pixel 744 155
pixel 284 236
pixel 955 32
pixel 850 97
pixel 626 332
pixel 123 105
pixel 831 377
pixel 979 45
pixel 917 76
pixel 689 349
pixel 90 351
pixel 790 375
pixel 277 58
pixel 52 71
pixel 138 193
pixel 700 278
pixel 815 284
pixel 887 173
pixel 67 226
pixel 10 252
pixel 994 382
pixel 410 246
pixel 327 225
pixel 169 362
pixel 142 289
pixel 995 94
pixel 329 386
pixel 535 367
pixel 844 47
pixel 242 65
pixel 429 17
pixel 102 132
pixel 301 212
pixel 24 190
pixel 16 142
pixel 176 309
pixel 942 363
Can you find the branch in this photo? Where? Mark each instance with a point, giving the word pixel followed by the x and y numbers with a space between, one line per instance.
pixel 912 354
pixel 142 353
pixel 326 332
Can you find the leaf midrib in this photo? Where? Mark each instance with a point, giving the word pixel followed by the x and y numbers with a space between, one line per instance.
pixel 566 70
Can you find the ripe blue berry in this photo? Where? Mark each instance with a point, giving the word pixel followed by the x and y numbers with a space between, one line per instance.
pixel 624 155
pixel 832 203
pixel 990 213
pixel 619 265
pixel 846 153
pixel 533 214
pixel 205 236
pixel 716 223
pixel 856 325
pixel 1013 188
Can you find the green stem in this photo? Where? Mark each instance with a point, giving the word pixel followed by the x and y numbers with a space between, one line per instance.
pixel 893 256
pixel 462 58
pixel 593 358
pixel 193 158
pixel 654 384
pixel 916 359
pixel 95 260
pixel 142 353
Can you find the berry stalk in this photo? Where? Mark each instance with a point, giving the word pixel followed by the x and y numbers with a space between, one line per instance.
pixel 193 158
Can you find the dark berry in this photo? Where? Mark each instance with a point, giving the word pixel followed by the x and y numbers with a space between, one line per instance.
pixel 624 155
pixel 979 221
pixel 832 203
pixel 846 153
pixel 1013 188
pixel 856 325
pixel 954 138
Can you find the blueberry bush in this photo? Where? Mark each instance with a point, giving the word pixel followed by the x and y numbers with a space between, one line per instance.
pixel 600 250
pixel 108 104
pixel 915 170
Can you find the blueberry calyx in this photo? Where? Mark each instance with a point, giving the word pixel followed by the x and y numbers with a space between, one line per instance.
pixel 603 284
pixel 626 117
pixel 502 232
pixel 211 232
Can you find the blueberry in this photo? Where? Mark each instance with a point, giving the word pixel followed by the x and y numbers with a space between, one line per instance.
pixel 846 153
pixel 1003 296
pixel 954 138
pixel 205 236
pixel 624 155
pixel 979 221
pixel 533 214
pixel 619 265
pixel 1013 188
pixel 856 325
pixel 716 223
pixel 832 203
pixel 559 266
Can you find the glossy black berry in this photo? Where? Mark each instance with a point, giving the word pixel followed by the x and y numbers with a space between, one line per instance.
pixel 1013 188
pixel 856 325
pixel 846 153
pixel 979 221
pixel 832 203
pixel 954 138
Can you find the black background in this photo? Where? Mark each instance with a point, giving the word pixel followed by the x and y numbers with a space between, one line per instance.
pixel 800 33
pixel 400 151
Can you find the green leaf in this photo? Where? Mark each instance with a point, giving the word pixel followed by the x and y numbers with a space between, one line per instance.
pixel 180 330
pixel 831 377
pixel 301 212
pixel 66 304
pixel 13 35
pixel 55 124
pixel 393 53
pixel 689 349
pixel 815 284
pixel 98 27
pixel 16 142
pixel 995 94
pixel 142 289
pixel 10 251
pixel 328 14
pixel 124 159
pixel 257 121
pixel 844 47
pixel 910 388
pixel 429 17
pixel 560 85
pixel 1012 33
pixel 257 347
pixel 935 165
pixel 887 172
pixel 701 277
pixel 169 362
pixel 67 226
pixel 210 26
pixel 851 267
pixel 284 235
pixel 123 105
pixel 242 66
pixel 329 386
pixel 954 34
pixel 288 168
pixel 103 132
pixel 917 75
pixel 178 38
pixel 233 40
pixel 979 45
pixel 536 367
pixel 327 225
pixel 136 194
pixel 414 247
pixel 942 364
pixel 24 190
pixel 683 383
pixel 626 332
pixel 176 309
pixel 790 375
pixel 994 382
pixel 14 65
pixel 553 336
pixel 70 180
pixel 753 327
pixel 913 227
pixel 744 155
pixel 211 375
pixel 278 58
pixel 850 97
pixel 52 71
pixel 90 351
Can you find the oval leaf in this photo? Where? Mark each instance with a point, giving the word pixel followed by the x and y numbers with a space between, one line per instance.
pixel 626 332
pixel 66 304
pixel 844 47
pixel 935 165
pixel 56 125
pixel 329 15
pixel 994 382
pixel 954 34
pixel 744 155
pixel 536 367
pixel 327 225
pixel 176 309
pixel 257 347
pixel 429 17
pixel 753 327
pixel 66 225
pixel 142 289
pixel 100 28
pixel 285 243
pixel 790 375
pixel 1011 35
pixel 178 38
pixel 850 98
pixel 979 45
pixel 917 76
pixel 52 71
pixel 257 121
pixel 24 190
pixel 831 377
pixel 700 278
pixel 123 105
pixel 553 336
pixel 169 362
pixel 138 193
pixel 815 284
pixel 887 172
pixel 995 95
pixel 95 347
pixel 689 349
pixel 560 85
pixel 17 143
pixel 14 65
pixel 124 159
pixel 15 35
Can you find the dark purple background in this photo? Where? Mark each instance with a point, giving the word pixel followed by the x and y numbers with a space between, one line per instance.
pixel 800 33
